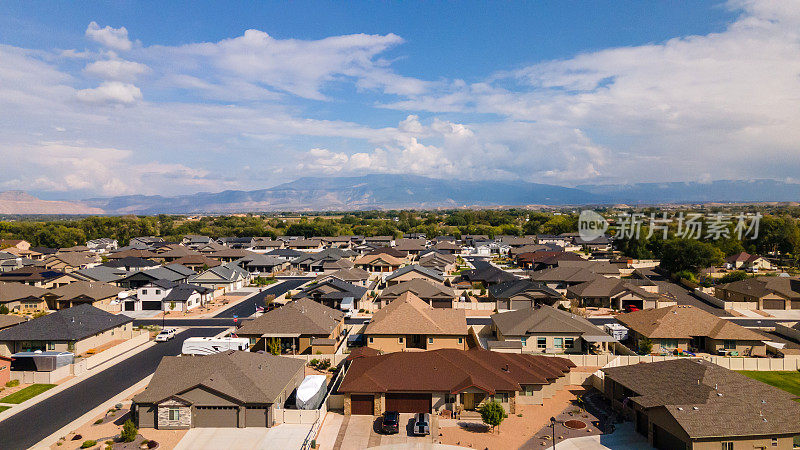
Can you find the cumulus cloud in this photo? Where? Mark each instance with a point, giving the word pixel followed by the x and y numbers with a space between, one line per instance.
pixel 110 92
pixel 116 69
pixel 114 38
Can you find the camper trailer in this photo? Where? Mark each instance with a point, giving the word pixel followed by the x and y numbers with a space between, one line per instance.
pixel 211 345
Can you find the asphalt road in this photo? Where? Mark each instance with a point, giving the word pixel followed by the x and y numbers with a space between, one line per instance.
pixel 28 427
pixel 248 307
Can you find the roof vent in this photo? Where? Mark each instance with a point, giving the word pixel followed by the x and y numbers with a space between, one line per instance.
pixel 680 409
pixel 695 408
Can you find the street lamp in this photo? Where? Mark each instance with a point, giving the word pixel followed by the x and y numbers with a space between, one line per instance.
pixel 553 424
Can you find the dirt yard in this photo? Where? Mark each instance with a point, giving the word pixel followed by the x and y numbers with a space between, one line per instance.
pixel 515 432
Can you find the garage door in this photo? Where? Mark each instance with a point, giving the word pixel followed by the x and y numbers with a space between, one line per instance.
pixel 663 440
pixel 774 304
pixel 408 403
pixel 216 416
pixel 795 304
pixel 256 417
pixel 130 306
pixel 151 306
pixel 361 405
pixel 520 304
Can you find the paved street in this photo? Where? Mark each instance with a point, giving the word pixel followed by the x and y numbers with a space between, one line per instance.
pixel 247 307
pixel 28 427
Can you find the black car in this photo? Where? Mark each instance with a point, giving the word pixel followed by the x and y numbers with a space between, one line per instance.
pixel 391 422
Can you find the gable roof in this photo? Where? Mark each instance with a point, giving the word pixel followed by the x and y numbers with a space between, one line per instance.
pixel 244 376
pixel 451 370
pixel 408 314
pixel 70 324
pixel 181 292
pixel 488 274
pixel 609 287
pixel 333 288
pixel 544 319
pixel 104 274
pixel 130 261
pixel 707 400
pixel 94 290
pixel 10 292
pixel 787 287
pixel 32 273
pixel 420 287
pixel 303 316
pixel 514 287
pixel 684 322
pixel 348 275
pixel 426 271
pixel 384 258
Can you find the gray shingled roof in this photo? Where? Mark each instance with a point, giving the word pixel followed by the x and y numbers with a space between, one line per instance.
pixel 710 401
pixel 70 324
pixel 417 268
pixel 303 316
pixel 545 319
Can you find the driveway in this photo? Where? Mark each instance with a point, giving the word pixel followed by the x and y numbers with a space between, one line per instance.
pixel 358 432
pixel 142 314
pixel 288 436
pixel 623 437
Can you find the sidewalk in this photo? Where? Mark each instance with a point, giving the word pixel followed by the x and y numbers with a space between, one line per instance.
pixel 74 380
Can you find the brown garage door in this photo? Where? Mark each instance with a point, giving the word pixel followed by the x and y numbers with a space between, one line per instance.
pixel 774 304
pixel 795 304
pixel 256 416
pixel 408 403
pixel 216 416
pixel 361 405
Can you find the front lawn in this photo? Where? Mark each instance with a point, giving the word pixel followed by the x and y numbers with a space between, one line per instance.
pixel 24 394
pixel 788 381
pixel 3 408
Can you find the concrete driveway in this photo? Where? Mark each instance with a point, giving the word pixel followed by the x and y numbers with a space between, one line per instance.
pixel 359 432
pixel 288 436
pixel 623 437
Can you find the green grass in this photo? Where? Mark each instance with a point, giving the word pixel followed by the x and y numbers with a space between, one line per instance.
pixel 3 408
pixel 24 394
pixel 789 381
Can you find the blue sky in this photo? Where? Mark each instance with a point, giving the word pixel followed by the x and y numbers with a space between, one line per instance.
pixel 151 98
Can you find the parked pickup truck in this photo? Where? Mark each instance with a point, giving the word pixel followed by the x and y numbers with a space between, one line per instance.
pixel 166 334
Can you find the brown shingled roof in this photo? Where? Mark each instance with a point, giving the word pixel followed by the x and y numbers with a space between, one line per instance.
pixel 684 322
pixel 408 314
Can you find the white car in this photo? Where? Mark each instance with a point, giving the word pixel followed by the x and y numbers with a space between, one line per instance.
pixel 166 334
pixel 422 424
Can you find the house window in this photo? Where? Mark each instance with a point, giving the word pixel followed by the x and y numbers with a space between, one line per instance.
pixel 430 340
pixel 541 342
pixel 527 390
pixel 501 397
pixel 449 398
pixel 371 340
pixel 727 446
pixel 569 342
pixel 174 414
pixel 144 291
pixel 774 442
pixel 669 343
pixel 524 341
pixel 460 340
pixel 158 291
pixel 400 340
pixel 729 344
pixel 51 345
pixel 558 342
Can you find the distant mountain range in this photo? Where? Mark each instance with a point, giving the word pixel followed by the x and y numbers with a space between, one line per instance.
pixel 386 191
pixel 18 202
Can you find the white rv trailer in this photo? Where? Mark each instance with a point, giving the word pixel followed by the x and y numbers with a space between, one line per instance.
pixel 211 345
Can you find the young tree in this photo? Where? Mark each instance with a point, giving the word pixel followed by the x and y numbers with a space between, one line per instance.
pixel 645 346
pixel 3 309
pixel 274 346
pixel 492 413
pixel 129 431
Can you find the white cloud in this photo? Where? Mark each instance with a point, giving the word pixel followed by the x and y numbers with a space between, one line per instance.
pixel 110 92
pixel 116 69
pixel 115 38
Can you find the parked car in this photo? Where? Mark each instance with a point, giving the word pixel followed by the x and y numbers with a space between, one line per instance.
pixel 166 334
pixel 390 424
pixel 631 308
pixel 422 424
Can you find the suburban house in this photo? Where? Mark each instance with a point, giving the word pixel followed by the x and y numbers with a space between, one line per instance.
pixel 9 320
pixel 335 293
pixel 264 245
pixel 39 277
pixel 97 294
pixel 165 295
pixel 258 264
pixel 523 293
pixel 102 245
pixel 436 295
pixel 619 294
pixel 409 323
pixel 414 272
pixel 386 241
pixel 746 261
pixel 565 275
pixel 600 243
pixel 131 263
pixel 353 275
pixel 306 244
pixel 323 261
pixel 75 330
pixel 411 247
pixel 763 292
pixel 381 262
pixel 691 329
pixel 70 262
pixel 450 379
pixel 171 272
pixel 544 259
pixel 225 278
pixel 198 262
pixel 223 390
pixel 447 247
pixel 546 330
pixel 19 244
pixel 23 298
pixel 441 262
pixel 487 275
pixel 686 404
pixel 302 326
pixel 135 253
pixel 285 254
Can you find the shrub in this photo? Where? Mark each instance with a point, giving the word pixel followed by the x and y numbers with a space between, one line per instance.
pixel 129 431
pixel 737 275
pixel 98 421
pixel 492 413
pixel 88 444
pixel 314 362
pixel 645 346
pixel 12 383
pixel 4 309
pixel 324 364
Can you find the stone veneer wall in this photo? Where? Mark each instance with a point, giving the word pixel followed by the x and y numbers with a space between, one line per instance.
pixel 184 415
